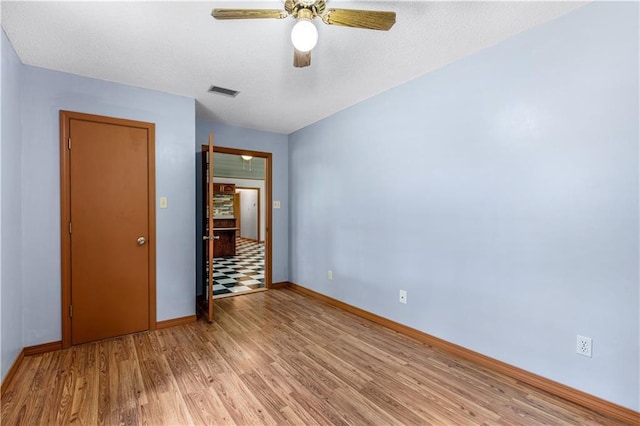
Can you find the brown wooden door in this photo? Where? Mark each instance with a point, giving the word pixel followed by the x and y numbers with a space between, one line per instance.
pixel 110 205
pixel 209 249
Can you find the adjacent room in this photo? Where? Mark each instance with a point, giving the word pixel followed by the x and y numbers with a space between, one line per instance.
pixel 320 212
pixel 239 214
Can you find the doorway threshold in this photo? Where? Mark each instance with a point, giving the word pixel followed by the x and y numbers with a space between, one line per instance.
pixel 240 293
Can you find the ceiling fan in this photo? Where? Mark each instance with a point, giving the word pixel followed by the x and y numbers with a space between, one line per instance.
pixel 304 34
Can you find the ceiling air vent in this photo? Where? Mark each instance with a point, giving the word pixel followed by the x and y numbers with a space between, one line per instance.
pixel 223 91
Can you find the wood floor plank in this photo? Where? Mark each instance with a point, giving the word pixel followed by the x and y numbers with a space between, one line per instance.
pixel 65 386
pixel 303 402
pixel 169 408
pixel 357 409
pixel 211 362
pixel 386 400
pixel 109 356
pixel 185 371
pixel 351 376
pixel 239 402
pixel 15 406
pixel 36 409
pixel 274 377
pixel 274 357
pixel 255 384
pixel 207 409
pixel 293 417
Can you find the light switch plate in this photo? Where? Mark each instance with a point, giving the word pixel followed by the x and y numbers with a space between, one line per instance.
pixel 276 204
pixel 163 203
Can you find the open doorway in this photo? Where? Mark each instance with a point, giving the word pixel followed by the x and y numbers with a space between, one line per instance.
pixel 240 194
pixel 249 211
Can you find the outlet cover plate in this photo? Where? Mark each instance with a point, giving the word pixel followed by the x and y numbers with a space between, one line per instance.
pixel 583 346
pixel 402 298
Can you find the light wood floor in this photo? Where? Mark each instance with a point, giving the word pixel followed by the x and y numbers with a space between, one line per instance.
pixel 275 357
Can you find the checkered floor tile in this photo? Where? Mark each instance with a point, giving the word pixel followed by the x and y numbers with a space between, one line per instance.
pixel 243 272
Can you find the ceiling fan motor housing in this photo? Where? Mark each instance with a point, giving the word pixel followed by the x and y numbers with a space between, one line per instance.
pixel 308 9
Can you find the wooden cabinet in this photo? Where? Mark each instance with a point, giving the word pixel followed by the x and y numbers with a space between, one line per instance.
pixel 226 245
pixel 224 223
pixel 224 188
pixel 225 232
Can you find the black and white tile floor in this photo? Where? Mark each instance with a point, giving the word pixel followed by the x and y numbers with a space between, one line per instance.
pixel 242 273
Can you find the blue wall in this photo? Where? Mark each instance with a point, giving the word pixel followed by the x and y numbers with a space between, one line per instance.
pixel 255 140
pixel 10 212
pixel 45 93
pixel 501 192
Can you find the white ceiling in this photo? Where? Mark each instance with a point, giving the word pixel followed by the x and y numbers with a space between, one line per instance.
pixel 177 47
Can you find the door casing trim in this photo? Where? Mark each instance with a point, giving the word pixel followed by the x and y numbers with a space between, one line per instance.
pixel 65 212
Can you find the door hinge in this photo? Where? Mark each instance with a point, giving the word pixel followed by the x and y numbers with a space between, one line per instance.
pixel 69 227
pixel 69 143
pixel 71 311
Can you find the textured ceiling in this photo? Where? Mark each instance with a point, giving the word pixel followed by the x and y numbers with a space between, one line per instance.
pixel 177 47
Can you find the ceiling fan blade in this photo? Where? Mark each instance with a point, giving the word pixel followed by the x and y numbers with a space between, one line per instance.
pixel 369 19
pixel 248 13
pixel 301 59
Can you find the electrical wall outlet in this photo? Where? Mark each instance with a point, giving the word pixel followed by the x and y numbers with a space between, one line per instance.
pixel 583 346
pixel 403 296
pixel 330 274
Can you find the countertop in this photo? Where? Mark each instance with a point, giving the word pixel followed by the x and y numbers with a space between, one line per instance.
pixel 224 217
pixel 225 229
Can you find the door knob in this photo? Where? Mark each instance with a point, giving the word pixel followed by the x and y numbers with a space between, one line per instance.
pixel 141 241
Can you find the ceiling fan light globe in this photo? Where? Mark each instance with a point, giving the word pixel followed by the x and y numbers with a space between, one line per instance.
pixel 304 35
